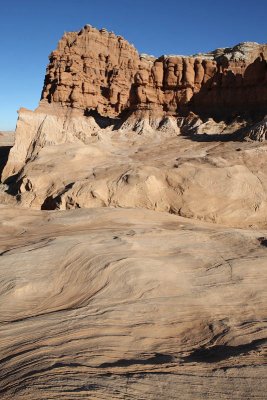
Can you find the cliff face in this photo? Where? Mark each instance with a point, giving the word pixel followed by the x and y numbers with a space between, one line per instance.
pixel 92 70
pixel 97 70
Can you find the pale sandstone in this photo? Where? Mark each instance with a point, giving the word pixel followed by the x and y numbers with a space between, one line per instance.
pixel 127 304
pixel 73 163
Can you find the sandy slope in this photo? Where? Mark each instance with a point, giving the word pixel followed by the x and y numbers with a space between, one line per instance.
pixel 130 304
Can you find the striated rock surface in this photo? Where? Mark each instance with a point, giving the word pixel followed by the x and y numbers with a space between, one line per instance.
pixel 97 70
pixel 130 304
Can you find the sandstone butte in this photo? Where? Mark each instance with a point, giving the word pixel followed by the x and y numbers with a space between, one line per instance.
pixel 97 70
pixel 133 227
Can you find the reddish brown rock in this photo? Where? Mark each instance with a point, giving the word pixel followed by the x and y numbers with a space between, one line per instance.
pixel 91 70
pixel 97 70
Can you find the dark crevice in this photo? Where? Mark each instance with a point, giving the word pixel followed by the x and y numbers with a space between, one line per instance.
pixel 102 122
pixel 263 241
pixel 51 202
pixel 237 136
pixel 203 355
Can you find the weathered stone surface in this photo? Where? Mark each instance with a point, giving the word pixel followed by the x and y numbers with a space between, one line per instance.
pixel 70 162
pixel 92 69
pixel 97 70
pixel 46 127
pixel 130 304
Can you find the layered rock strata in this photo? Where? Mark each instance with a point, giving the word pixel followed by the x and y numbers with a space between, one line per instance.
pixel 130 304
pixel 97 70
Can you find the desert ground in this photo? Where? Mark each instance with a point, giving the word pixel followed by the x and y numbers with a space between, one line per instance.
pixel 126 299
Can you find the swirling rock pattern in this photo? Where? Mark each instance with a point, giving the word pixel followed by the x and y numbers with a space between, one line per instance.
pixel 130 304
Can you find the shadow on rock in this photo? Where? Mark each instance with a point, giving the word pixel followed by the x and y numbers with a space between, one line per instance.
pixel 4 152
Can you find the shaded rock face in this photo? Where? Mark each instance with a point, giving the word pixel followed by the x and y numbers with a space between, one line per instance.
pixel 97 70
pixel 258 131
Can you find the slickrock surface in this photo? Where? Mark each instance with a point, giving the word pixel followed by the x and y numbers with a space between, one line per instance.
pixel 130 304
pixel 98 70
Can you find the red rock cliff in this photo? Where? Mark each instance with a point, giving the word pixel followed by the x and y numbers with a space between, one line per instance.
pixel 97 70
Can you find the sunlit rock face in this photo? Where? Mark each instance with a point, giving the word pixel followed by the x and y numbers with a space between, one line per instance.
pixel 97 70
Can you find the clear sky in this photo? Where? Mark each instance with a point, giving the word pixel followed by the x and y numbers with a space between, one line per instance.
pixel 30 30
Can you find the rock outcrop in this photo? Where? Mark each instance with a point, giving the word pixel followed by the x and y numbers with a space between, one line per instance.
pixel 98 71
pixel 96 79
pixel 63 160
pixel 106 132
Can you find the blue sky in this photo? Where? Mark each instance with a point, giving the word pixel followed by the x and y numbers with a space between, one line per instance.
pixel 30 30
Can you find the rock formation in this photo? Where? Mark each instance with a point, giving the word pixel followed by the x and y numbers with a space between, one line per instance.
pixel 108 116
pixel 97 70
pixel 130 300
